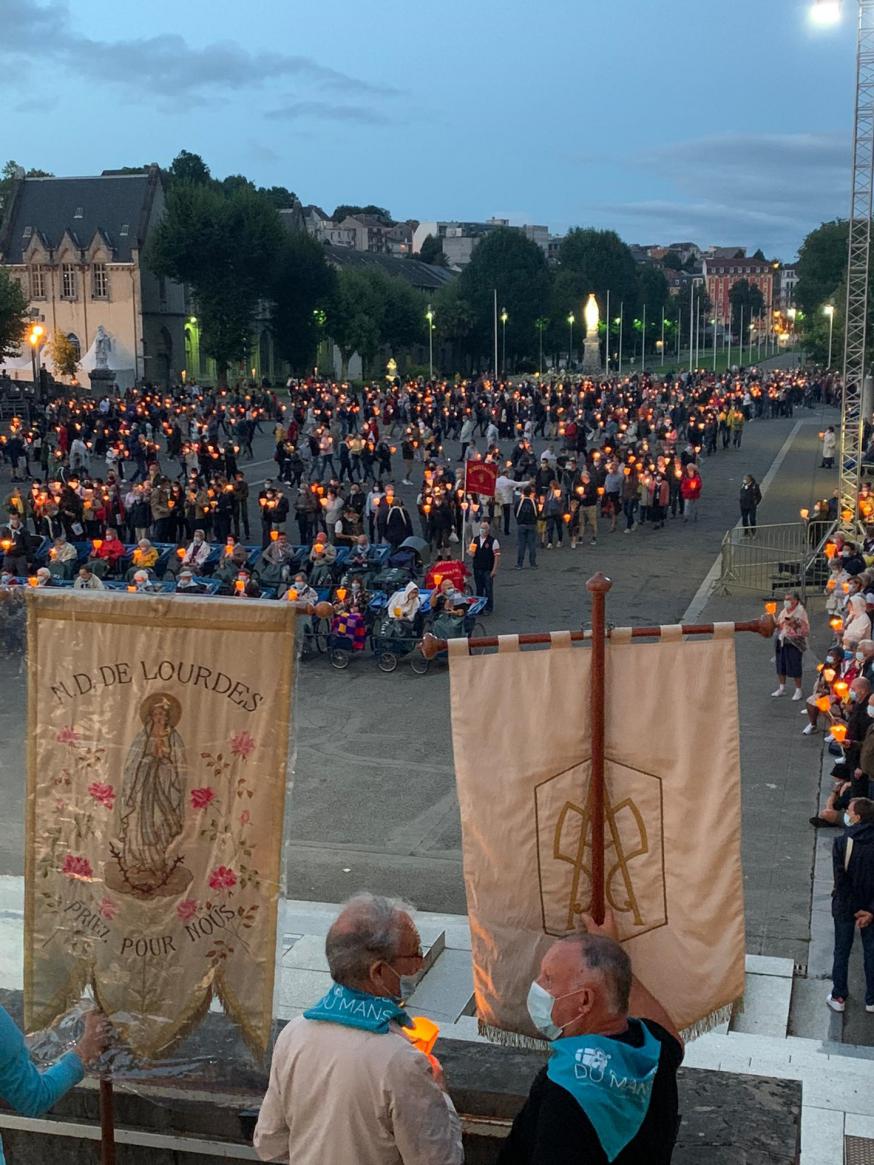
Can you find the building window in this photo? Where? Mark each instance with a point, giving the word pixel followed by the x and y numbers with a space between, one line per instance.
pixel 74 341
pixel 99 281
pixel 68 281
pixel 37 282
pixel 125 229
pixel 78 212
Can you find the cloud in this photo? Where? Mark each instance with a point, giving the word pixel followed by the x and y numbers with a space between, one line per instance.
pixel 327 111
pixel 153 66
pixel 768 189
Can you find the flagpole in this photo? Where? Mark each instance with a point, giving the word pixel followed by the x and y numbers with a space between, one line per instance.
pixel 107 1122
pixel 598 586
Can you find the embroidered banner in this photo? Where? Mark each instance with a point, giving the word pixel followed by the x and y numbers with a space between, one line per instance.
pixel 672 852
pixel 158 733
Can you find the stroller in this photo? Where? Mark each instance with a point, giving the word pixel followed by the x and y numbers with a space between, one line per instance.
pixel 395 638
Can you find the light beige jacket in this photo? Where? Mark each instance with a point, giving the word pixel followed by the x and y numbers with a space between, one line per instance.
pixel 342 1096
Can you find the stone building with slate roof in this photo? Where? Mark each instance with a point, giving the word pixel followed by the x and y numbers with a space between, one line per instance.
pixel 76 246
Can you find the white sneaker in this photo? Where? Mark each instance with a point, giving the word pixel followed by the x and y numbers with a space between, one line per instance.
pixel 808 731
pixel 549 546
pixel 796 694
pixel 835 1004
pixel 779 691
pixel 869 1007
pixel 829 739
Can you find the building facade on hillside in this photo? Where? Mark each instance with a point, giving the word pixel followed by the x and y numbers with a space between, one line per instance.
pixel 722 273
pixel 460 239
pixel 788 283
pixel 76 246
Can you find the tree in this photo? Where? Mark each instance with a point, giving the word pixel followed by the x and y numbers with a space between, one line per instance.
pixel 356 318
pixel 14 316
pixel 64 354
pixel 455 322
pixel 9 173
pixel 508 263
pixel 224 247
pixel 279 196
pixel 747 298
pixel 759 254
pixel 188 167
pixel 303 290
pixel 345 209
pixel 672 262
pixel 822 265
pixel 431 251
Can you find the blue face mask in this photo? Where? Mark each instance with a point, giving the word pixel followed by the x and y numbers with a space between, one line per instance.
pixel 848 655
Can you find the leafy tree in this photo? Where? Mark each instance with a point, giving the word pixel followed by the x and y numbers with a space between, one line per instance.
pixel 64 354
pixel 745 296
pixel 454 323
pixel 759 254
pixel 822 264
pixel 356 318
pixel 9 173
pixel 431 251
pixel 685 311
pixel 507 262
pixel 223 245
pixel 303 287
pixel 279 196
pixel 599 261
pixel 345 209
pixel 14 316
pixel 404 315
pixel 672 261
pixel 188 167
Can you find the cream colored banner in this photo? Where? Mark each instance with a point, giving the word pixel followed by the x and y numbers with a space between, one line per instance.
pixel 157 769
pixel 522 742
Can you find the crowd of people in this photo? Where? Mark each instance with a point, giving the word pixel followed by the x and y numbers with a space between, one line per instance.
pixel 573 459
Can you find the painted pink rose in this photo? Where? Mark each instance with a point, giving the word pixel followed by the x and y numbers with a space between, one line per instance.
pixel 222 878
pixel 67 735
pixel 242 745
pixel 108 909
pixel 77 867
pixel 245 817
pixel 103 794
pixel 186 910
pixel 200 798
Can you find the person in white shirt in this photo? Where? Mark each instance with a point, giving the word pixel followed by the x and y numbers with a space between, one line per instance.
pixel 505 495
pixel 346 1085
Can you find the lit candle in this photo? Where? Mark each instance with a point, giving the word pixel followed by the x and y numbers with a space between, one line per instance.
pixel 770 608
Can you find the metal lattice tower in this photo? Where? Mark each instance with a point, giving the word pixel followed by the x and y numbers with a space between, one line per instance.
pixel 856 317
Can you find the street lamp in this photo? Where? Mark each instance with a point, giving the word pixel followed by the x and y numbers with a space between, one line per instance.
pixel 504 318
pixel 570 346
pixel 829 310
pixel 825 12
pixel 429 316
pixel 540 323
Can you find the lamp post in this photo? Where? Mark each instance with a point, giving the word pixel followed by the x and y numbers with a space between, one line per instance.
pixel 540 323
pixel 429 316
pixel 570 343
pixel 829 310
pixel 662 349
pixel 504 318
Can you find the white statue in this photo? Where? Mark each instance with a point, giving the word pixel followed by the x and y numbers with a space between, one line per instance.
pixel 102 348
pixel 591 315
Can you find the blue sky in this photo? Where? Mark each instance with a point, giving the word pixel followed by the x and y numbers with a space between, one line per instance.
pixel 721 121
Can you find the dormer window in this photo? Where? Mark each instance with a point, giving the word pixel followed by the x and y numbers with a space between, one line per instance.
pixel 78 212
pixel 28 231
pixel 125 230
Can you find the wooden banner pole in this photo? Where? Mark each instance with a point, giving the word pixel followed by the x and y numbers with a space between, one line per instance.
pixel 107 1123
pixel 431 645
pixel 598 586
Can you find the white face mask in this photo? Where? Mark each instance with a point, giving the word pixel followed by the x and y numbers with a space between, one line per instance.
pixel 848 821
pixel 871 711
pixel 860 656
pixel 406 985
pixel 540 1004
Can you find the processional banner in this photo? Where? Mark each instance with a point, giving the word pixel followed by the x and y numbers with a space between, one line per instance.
pixel 521 730
pixel 158 735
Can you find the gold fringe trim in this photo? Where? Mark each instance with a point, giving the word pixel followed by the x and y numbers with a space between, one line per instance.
pixel 715 1019
pixel 507 1039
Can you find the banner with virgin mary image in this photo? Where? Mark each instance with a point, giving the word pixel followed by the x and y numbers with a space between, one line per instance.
pixel 158 746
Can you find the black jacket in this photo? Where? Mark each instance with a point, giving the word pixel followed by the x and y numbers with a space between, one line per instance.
pixel 750 497
pixel 854 887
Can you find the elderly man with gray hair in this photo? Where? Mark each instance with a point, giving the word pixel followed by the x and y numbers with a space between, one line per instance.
pixel 346 1085
pixel 609 1091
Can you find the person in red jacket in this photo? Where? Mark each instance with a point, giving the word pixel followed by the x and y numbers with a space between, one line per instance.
pixel 110 550
pixel 690 492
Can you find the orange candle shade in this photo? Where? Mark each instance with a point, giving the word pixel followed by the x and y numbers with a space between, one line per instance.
pixel 829 550
pixel 823 703
pixel 472 548
pixel 180 553
pixel 831 584
pixel 341 593
pixel 291 594
pixel 132 589
pixel 805 514
pixel 836 622
pixel 829 674
pixel 33 581
pixel 841 688
pixel 239 586
pixel 847 515
pixel 274 534
pixel 423 1034
pixel 438 579
pixel 839 732
pixel 566 517
pixel 770 608
pixel 397 612
pixel 97 543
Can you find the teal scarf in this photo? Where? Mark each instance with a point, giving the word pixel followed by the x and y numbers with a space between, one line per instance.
pixel 610 1081
pixel 371 1013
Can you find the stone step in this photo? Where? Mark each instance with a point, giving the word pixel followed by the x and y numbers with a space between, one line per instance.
pixel 767 997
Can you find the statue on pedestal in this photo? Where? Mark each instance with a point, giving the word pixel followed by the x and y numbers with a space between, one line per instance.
pixel 101 374
pixel 592 350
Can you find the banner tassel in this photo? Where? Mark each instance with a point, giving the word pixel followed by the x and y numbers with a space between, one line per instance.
pixel 497 1035
pixel 714 1020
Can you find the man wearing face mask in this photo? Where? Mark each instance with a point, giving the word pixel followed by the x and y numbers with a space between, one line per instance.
pixel 346 1085
pixel 603 1025
pixel 853 900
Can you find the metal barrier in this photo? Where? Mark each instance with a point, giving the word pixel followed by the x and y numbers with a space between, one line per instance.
pixel 771 559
